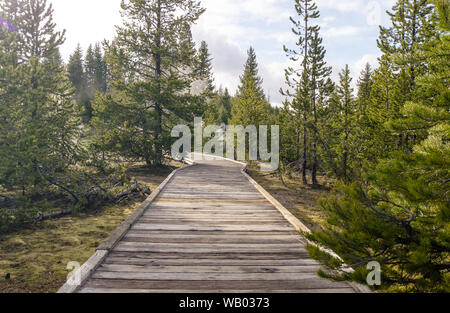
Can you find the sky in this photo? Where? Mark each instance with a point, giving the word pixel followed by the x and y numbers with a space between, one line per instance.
pixel 349 29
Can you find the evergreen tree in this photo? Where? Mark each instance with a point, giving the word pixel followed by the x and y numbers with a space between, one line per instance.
pixel 219 108
pixel 43 123
pixel 347 121
pixel 76 73
pixel 413 24
pixel 100 72
pixel 151 75
pixel 251 65
pixel 319 81
pixel 225 106
pixel 205 66
pixel 367 138
pixel 95 79
pixel 248 107
pixel 365 83
pixel 339 135
pixel 299 79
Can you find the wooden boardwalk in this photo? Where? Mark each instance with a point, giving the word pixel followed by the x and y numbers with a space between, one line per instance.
pixel 209 230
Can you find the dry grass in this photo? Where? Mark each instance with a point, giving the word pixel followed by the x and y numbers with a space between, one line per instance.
pixel 36 257
pixel 300 200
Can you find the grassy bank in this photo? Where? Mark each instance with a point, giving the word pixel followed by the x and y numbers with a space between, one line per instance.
pixel 300 200
pixel 34 259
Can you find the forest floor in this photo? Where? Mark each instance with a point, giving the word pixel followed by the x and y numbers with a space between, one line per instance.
pixel 35 258
pixel 300 200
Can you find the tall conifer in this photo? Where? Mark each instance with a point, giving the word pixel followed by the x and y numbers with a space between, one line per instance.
pixel 151 74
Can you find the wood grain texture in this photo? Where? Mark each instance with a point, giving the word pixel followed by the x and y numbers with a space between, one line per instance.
pixel 209 229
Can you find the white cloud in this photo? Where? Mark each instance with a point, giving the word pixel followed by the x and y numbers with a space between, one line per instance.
pixel 344 31
pixel 356 6
pixel 231 26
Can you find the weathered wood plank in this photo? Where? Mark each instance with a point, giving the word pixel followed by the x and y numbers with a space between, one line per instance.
pixel 169 227
pixel 207 248
pixel 209 240
pixel 203 276
pixel 211 201
pixel 229 285
pixel 189 256
pixel 179 291
pixel 207 262
pixel 153 268
pixel 210 222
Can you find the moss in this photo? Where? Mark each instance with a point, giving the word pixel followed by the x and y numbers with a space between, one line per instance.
pixel 36 258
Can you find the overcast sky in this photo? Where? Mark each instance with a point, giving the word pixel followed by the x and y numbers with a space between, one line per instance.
pixel 349 28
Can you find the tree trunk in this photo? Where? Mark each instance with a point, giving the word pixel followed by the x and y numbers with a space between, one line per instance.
pixel 315 160
pixel 304 156
pixel 158 128
pixel 305 118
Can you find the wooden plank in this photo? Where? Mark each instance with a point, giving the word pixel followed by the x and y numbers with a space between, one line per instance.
pixel 153 268
pixel 214 197
pixel 209 240
pixel 203 276
pixel 229 285
pixel 210 222
pixel 181 291
pixel 192 204
pixel 167 227
pixel 208 234
pixel 211 211
pixel 207 262
pixel 189 256
pixel 211 201
pixel 202 216
pixel 206 248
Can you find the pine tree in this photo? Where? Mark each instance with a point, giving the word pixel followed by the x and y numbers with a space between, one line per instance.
pixel 100 77
pixel 12 93
pixel 289 135
pixel 43 121
pixel 151 74
pixel 219 108
pixel 413 23
pixel 225 106
pixel 76 73
pixel 252 66
pixel 300 79
pixel 248 107
pixel 347 107
pixel 96 79
pixel 205 66
pixel 319 78
pixel 39 39
pixel 365 83
pixel 367 143
pixel 339 135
